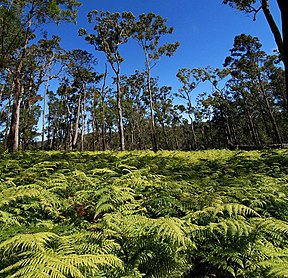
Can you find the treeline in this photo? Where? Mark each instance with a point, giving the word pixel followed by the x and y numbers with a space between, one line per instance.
pixel 245 106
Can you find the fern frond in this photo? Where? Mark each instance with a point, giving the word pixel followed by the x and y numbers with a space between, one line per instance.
pixel 275 228
pixel 170 229
pixel 8 219
pixel 14 194
pixel 103 173
pixel 24 242
pixel 42 254
pixel 238 209
pixel 279 270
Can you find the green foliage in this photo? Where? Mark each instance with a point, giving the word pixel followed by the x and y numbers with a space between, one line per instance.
pixel 49 255
pixel 141 214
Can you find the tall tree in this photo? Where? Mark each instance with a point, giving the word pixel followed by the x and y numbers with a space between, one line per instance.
pixel 111 31
pixel 250 6
pixel 134 107
pixel 163 109
pixel 219 100
pixel 247 63
pixel 28 15
pixel 50 56
pixel 79 68
pixel 148 31
pixel 190 83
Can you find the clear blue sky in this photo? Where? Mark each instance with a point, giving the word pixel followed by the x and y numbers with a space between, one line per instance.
pixel 204 28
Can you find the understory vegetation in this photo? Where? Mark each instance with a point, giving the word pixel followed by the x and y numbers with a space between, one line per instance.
pixel 214 213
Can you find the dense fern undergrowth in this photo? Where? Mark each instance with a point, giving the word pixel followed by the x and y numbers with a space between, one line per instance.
pixel 136 214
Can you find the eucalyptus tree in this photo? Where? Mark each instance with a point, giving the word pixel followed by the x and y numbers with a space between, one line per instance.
pixel 111 31
pixel 28 16
pixel 163 113
pixel 32 78
pixel 36 70
pixel 206 108
pixel 94 120
pixel 80 70
pixel 5 106
pixel 248 70
pixel 56 119
pixel 149 29
pixel 60 129
pixel 10 22
pixel 111 123
pixel 204 115
pixel 253 6
pixel 190 82
pixel 221 101
pixel 103 93
pixel 60 121
pixel 134 107
pixel 49 56
pixel 178 139
pixel 9 45
pixel 276 79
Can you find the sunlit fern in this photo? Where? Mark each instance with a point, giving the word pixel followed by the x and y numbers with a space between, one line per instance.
pixel 154 247
pixel 235 239
pixel 49 255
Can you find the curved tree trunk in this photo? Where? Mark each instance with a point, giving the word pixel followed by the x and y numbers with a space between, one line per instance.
pixel 284 16
pixel 281 41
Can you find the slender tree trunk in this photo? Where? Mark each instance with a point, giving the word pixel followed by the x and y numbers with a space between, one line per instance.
pixel 25 124
pixel 110 137
pixel 120 113
pixel 70 143
pixel 103 127
pixel 190 107
pixel 69 132
pixel 83 116
pixel 252 128
pixel 268 105
pixel 175 136
pixel 273 121
pixel 93 115
pixel 260 101
pixel 13 140
pixel 7 125
pixel 138 129
pixel 138 125
pixel 151 106
pixel 51 139
pixel 194 137
pixel 228 132
pixel 204 138
pixel 132 128
pixel 153 127
pixel 119 105
pixel 76 128
pixel 44 114
pixel 165 135
pixel 251 124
